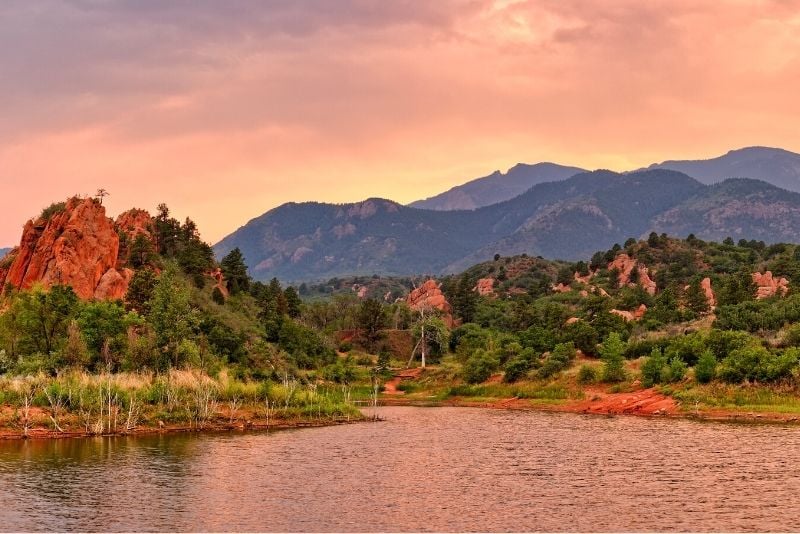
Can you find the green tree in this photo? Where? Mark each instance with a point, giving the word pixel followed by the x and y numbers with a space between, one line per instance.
pixel 480 366
pixel 371 320
pixel 140 291
pixel 234 269
pixel 293 302
pixel 706 368
pixel 45 316
pixel 696 299
pixel 170 314
pixel 612 353
pixel 653 368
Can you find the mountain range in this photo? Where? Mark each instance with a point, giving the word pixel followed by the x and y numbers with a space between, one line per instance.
pixel 4 251
pixel 497 187
pixel 567 219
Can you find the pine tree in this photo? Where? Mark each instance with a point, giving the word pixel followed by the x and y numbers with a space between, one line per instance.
pixel 612 353
pixel 235 271
pixel 696 299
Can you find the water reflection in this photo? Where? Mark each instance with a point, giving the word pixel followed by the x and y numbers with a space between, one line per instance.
pixel 421 469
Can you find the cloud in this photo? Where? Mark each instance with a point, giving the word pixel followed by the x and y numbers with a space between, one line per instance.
pixel 224 109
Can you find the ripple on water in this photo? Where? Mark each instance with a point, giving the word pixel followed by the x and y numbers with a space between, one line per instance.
pixel 451 469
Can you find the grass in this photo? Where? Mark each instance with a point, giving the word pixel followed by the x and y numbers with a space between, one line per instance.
pixel 110 403
pixel 779 399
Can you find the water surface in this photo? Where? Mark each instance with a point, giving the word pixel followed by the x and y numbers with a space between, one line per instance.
pixel 442 469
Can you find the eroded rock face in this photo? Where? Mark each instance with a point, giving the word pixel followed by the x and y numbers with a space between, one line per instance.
pixel 135 222
pixel 77 246
pixel 485 287
pixel 768 286
pixel 625 265
pixel 705 285
pixel 635 315
pixel 428 296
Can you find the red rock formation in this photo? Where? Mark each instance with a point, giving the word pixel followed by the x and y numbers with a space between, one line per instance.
pixel 705 284
pixel 485 287
pixel 561 288
pixel 219 281
pixel 635 315
pixel 428 296
pixel 76 246
pixel 769 286
pixel 572 320
pixel 135 222
pixel 624 264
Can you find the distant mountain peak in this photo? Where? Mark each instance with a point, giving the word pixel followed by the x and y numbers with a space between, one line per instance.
pixel 776 166
pixel 497 186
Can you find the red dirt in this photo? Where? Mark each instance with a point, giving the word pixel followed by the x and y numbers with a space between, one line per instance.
pixel 390 387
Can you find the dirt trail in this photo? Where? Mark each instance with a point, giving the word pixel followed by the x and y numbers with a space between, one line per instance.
pixel 391 387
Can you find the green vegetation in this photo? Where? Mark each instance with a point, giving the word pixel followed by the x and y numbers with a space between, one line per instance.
pixel 549 332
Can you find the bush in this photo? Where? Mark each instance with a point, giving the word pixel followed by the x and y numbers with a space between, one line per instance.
pixel 756 363
pixel 653 368
pixel 558 360
pixel 676 370
pixel 706 368
pixel 480 366
pixel 587 374
pixel 515 369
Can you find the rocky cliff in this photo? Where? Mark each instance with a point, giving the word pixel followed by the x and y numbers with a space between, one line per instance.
pixel 74 244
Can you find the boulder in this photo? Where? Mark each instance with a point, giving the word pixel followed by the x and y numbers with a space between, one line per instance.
pixel 768 286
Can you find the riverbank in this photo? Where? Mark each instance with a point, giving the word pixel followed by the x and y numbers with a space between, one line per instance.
pixel 78 404
pixel 42 428
pixel 713 402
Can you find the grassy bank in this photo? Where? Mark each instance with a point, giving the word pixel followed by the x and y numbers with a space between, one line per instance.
pixel 78 403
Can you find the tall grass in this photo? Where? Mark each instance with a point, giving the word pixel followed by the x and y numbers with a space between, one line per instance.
pixel 109 403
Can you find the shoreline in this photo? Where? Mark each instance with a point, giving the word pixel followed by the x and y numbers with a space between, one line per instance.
pixel 719 415
pixel 39 433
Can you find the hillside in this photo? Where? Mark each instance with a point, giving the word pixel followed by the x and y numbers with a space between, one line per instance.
pixel 497 187
pixel 776 166
pixel 569 219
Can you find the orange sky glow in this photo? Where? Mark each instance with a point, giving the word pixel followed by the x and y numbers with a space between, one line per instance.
pixel 224 110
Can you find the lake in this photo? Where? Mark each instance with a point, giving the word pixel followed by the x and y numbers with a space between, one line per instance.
pixel 441 469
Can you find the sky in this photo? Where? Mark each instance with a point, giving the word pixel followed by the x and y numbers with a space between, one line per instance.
pixel 224 110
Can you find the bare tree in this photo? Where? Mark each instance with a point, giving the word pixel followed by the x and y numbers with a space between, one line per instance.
pixel 101 193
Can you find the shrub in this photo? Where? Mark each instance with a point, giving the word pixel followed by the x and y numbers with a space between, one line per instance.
pixel 755 362
pixel 653 368
pixel 587 374
pixel 558 360
pixel 706 368
pixel 515 369
pixel 675 371
pixel 480 366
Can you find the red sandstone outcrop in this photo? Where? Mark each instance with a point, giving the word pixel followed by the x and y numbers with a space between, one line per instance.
pixel 635 315
pixel 135 222
pixel 561 288
pixel 76 246
pixel 485 287
pixel 428 296
pixel 572 320
pixel 219 281
pixel 624 264
pixel 769 286
pixel 705 285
